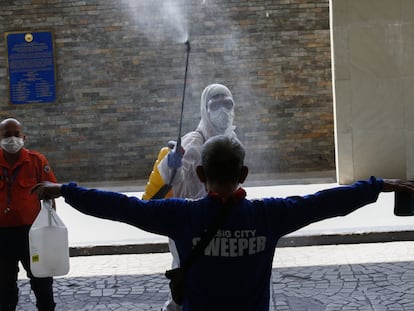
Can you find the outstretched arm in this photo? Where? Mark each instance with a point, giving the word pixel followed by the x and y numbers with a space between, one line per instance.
pixel 47 190
pixel 390 185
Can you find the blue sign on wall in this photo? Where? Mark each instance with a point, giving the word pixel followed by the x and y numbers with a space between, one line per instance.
pixel 31 67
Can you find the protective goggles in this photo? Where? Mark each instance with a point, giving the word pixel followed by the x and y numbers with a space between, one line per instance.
pixel 218 101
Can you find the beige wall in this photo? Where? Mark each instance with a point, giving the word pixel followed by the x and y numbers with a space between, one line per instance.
pixel 373 74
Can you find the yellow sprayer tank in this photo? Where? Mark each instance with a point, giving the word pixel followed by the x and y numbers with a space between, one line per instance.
pixel 155 181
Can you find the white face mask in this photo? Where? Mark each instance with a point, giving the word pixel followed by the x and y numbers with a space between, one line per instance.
pixel 221 118
pixel 12 144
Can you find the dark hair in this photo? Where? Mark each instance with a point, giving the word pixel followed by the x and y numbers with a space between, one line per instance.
pixel 222 158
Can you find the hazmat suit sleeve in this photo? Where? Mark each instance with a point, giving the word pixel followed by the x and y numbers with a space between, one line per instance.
pixel 186 183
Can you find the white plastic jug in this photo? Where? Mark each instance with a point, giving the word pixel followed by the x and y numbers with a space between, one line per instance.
pixel 48 241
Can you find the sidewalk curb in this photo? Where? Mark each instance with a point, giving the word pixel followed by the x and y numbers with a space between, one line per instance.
pixel 287 241
pixel 118 249
pixel 346 238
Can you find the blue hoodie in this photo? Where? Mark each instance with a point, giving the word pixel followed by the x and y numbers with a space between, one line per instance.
pixel 234 271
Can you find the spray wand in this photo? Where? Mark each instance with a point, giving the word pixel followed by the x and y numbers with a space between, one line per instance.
pixel 161 193
pixel 188 48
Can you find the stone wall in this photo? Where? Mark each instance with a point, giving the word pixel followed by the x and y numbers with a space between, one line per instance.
pixel 120 69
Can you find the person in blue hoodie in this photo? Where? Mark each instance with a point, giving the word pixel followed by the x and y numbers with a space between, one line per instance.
pixel 233 272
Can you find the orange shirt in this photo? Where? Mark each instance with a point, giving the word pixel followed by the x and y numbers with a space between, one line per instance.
pixel 17 206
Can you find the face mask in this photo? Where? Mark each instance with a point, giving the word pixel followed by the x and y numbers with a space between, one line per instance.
pixel 12 144
pixel 221 118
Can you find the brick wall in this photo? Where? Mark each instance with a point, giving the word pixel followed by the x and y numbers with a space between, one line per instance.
pixel 120 68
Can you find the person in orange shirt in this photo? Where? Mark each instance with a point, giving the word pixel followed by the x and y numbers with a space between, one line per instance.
pixel 20 170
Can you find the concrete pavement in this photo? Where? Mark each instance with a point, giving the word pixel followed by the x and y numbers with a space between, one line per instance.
pixel 374 276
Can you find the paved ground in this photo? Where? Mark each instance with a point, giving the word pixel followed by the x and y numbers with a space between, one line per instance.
pixel 374 276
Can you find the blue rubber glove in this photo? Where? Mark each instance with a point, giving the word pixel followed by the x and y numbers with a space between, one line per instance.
pixel 174 158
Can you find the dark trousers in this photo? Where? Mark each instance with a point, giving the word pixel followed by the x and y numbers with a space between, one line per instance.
pixel 14 247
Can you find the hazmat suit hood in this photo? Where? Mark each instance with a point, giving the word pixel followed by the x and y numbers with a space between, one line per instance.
pixel 206 126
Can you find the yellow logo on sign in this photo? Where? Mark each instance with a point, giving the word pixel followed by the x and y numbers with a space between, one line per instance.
pixel 28 37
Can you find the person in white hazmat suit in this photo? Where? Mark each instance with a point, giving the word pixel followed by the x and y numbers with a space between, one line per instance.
pixel 217 114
